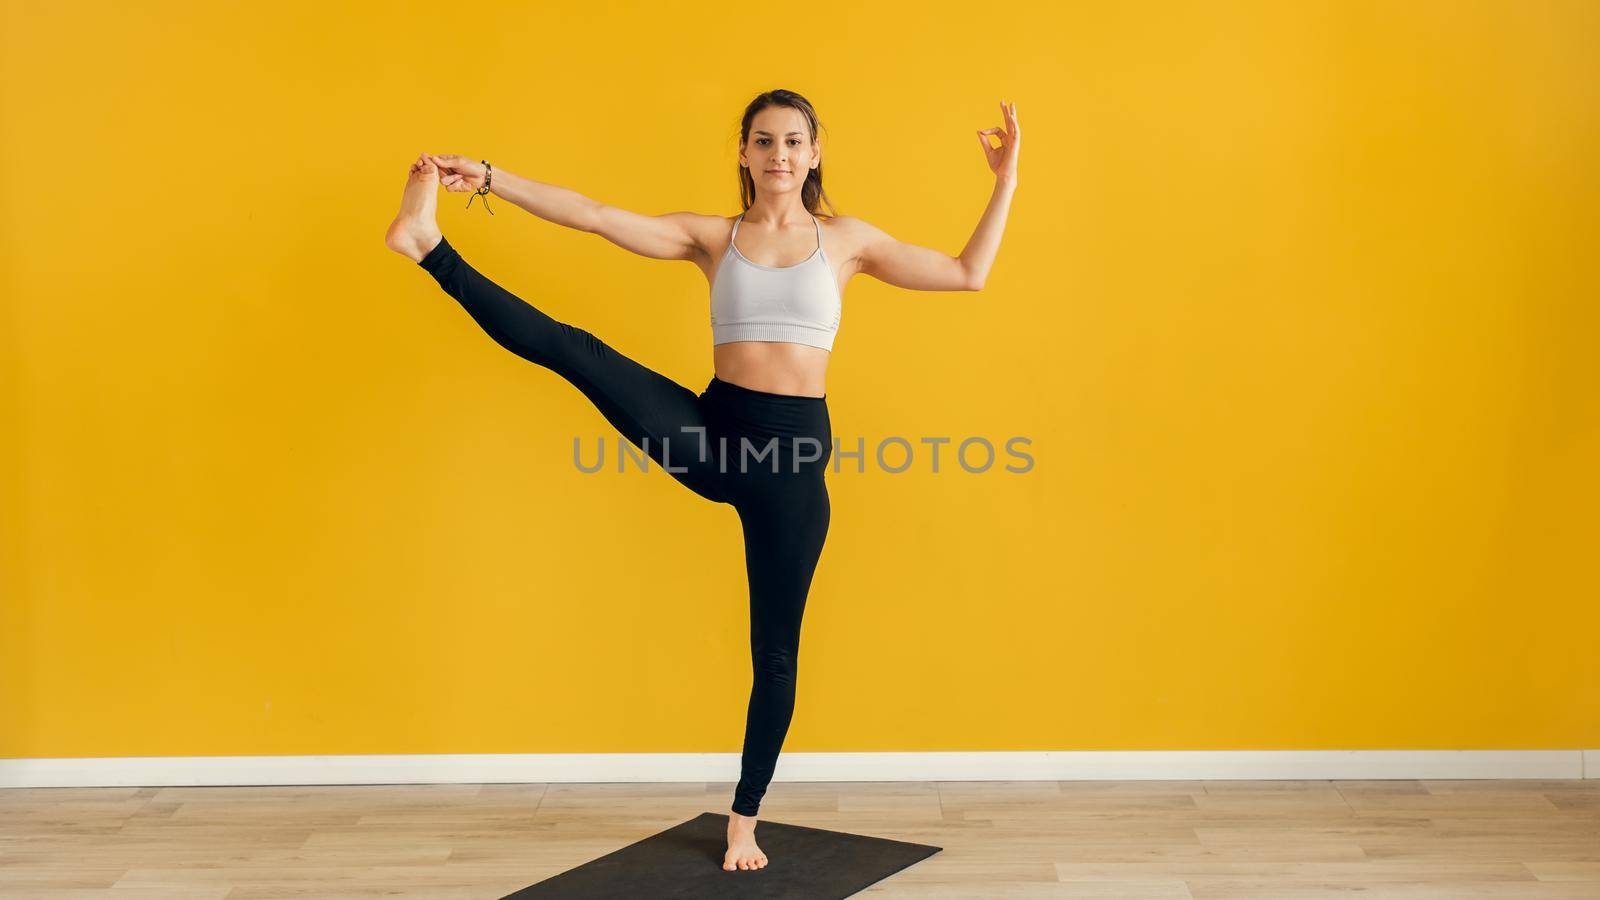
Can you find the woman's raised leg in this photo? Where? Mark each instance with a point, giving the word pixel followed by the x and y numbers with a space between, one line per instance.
pixel 655 413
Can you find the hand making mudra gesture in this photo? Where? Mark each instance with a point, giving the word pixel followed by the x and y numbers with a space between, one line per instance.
pixel 1003 159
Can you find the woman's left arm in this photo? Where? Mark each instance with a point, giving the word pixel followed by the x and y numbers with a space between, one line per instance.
pixel 920 268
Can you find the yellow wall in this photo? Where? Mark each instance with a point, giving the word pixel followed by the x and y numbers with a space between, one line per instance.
pixel 1298 304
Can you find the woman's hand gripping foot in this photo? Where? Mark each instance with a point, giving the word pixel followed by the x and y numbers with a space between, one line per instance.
pixel 742 850
pixel 415 230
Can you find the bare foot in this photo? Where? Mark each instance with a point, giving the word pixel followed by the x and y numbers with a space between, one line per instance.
pixel 742 850
pixel 415 231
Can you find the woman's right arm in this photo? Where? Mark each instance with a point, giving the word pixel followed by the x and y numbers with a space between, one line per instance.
pixel 675 235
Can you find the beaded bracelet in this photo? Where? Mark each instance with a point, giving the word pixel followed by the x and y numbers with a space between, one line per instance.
pixel 488 179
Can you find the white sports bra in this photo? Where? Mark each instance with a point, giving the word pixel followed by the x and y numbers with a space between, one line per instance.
pixel 797 304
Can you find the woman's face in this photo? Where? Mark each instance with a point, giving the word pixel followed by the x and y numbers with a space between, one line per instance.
pixel 779 151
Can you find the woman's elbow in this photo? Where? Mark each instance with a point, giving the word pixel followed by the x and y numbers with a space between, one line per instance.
pixel 972 277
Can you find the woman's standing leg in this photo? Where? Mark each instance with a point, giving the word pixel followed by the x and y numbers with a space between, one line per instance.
pixel 785 525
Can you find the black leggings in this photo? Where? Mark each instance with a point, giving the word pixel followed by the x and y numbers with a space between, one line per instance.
pixel 762 453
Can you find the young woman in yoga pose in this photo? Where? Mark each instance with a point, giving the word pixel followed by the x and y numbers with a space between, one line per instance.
pixel 758 437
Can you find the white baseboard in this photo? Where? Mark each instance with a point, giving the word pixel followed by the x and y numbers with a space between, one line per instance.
pixel 1065 765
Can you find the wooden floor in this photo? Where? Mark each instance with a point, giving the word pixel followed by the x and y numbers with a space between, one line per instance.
pixel 1283 840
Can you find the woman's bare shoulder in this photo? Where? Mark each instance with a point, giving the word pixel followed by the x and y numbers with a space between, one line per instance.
pixel 709 230
pixel 849 233
pixel 847 224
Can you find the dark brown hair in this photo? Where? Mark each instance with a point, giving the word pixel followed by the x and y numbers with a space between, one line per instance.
pixel 812 196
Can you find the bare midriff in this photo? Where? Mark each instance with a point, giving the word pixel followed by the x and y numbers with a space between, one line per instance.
pixel 777 368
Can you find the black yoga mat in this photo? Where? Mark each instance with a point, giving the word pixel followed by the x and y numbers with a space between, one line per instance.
pixel 685 863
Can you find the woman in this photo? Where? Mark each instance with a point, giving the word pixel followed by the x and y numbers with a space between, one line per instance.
pixel 758 437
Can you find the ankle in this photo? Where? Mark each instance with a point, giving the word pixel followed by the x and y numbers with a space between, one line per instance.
pixel 425 245
pixel 413 245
